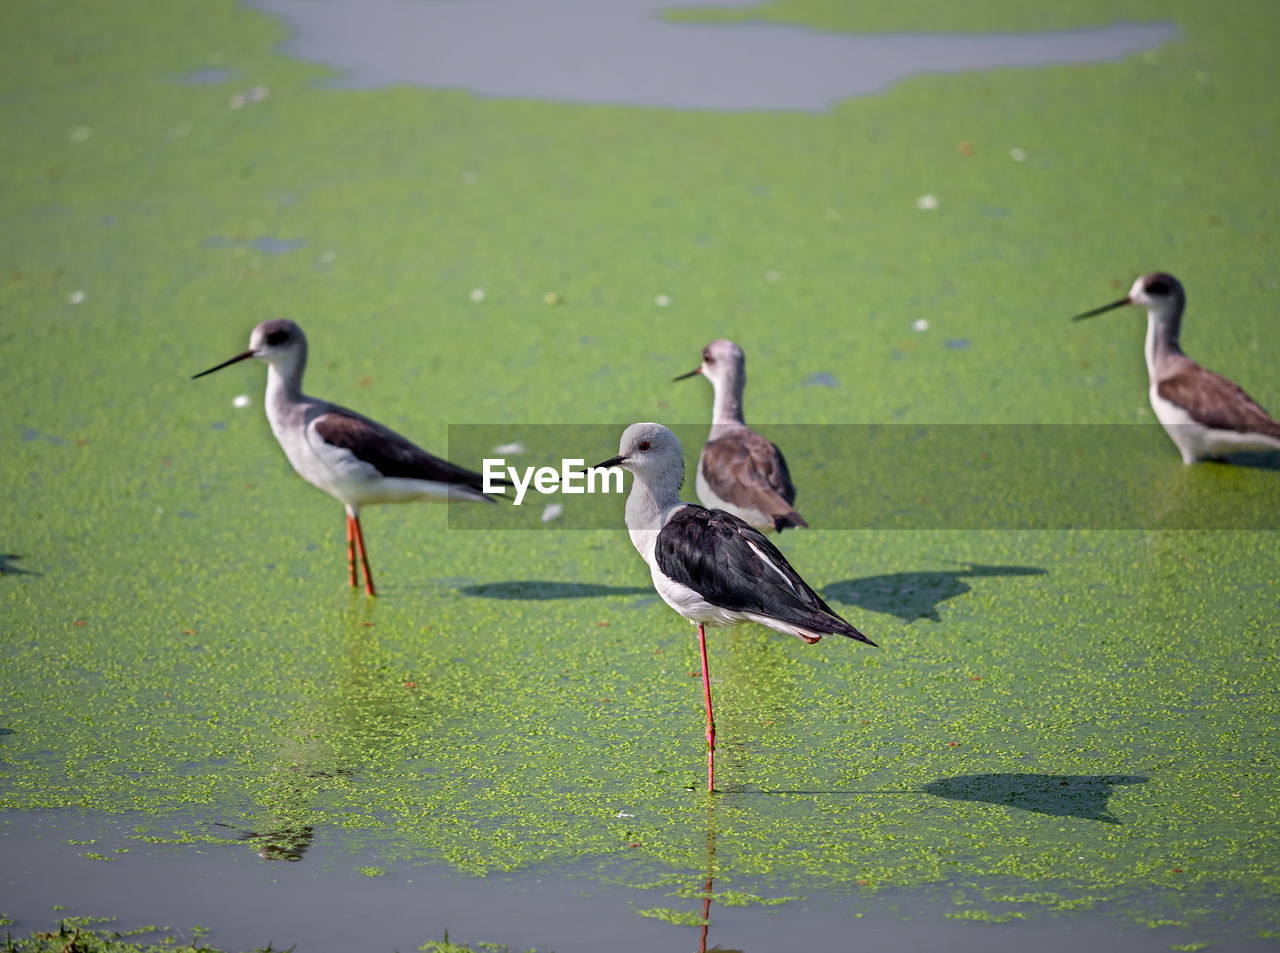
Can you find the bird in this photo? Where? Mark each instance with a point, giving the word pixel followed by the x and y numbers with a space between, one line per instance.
pixel 1205 415
pixel 707 564
pixel 355 460
pixel 740 471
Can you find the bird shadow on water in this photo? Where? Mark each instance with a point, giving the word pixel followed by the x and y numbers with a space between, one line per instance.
pixel 547 589
pixel 1057 795
pixel 7 567
pixel 916 595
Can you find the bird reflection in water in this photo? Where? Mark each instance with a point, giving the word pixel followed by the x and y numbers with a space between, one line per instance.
pixel 287 843
pixel 708 885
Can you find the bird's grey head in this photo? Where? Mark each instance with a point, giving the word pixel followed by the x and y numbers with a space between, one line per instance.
pixel 276 341
pixel 1159 293
pixel 721 360
pixel 279 343
pixel 650 451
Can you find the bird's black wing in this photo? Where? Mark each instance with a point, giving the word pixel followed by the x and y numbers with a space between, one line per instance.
pixel 393 455
pixel 734 566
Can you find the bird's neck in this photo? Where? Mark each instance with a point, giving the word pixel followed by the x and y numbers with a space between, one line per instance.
pixel 284 383
pixel 1162 338
pixel 726 411
pixel 648 506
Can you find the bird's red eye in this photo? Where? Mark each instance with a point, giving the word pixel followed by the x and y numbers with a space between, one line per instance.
pixel 706 356
pixel 644 445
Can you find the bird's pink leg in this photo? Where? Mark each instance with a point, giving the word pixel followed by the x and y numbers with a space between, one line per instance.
pixel 364 556
pixel 351 548
pixel 711 725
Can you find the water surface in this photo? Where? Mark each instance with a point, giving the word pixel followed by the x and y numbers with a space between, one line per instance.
pixel 623 52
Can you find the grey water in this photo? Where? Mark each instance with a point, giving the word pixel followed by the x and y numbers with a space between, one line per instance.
pixel 323 903
pixel 623 52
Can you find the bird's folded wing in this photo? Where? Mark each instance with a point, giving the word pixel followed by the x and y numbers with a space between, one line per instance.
pixel 1216 402
pixel 747 470
pixel 732 565
pixel 393 455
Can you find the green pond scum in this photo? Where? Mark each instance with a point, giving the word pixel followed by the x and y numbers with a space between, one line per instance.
pixel 1095 728
pixel 88 935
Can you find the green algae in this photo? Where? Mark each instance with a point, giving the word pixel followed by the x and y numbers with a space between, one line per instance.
pixel 82 935
pixel 448 946
pixel 179 642
pixel 674 916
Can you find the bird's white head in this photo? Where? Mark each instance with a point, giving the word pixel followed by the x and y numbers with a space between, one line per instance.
pixel 722 360
pixel 1160 294
pixel 650 451
pixel 278 342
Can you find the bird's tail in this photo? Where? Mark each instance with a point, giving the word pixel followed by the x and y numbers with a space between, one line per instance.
pixel 788 520
pixel 850 632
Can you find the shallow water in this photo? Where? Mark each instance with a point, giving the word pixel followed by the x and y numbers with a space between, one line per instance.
pixel 579 909
pixel 585 51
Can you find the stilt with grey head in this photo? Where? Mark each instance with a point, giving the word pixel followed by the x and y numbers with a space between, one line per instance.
pixel 710 566
pixel 740 471
pixel 355 460
pixel 1204 414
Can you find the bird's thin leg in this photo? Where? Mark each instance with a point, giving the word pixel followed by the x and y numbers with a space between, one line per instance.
pixel 351 548
pixel 364 555
pixel 711 724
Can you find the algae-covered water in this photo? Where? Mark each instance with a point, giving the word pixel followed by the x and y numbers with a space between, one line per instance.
pixel 1073 727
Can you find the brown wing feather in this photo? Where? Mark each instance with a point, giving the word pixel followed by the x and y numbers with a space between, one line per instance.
pixel 1214 401
pixel 747 470
pixel 392 454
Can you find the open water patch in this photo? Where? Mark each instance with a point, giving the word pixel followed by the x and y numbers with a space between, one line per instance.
pixel 622 52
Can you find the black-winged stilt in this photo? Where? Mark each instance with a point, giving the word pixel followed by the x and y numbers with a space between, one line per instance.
pixel 355 460
pixel 1204 414
pixel 740 471
pixel 710 566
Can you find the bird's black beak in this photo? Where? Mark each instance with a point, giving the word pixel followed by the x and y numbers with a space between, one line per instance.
pixel 218 367
pixel 611 462
pixel 696 370
pixel 1106 307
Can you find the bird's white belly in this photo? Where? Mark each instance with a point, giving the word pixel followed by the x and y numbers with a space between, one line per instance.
pixel 346 477
pixel 708 498
pixel 1195 441
pixel 691 605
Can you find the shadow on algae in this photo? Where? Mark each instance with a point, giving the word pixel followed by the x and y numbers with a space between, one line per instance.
pixel 1073 795
pixel 539 589
pixel 915 595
